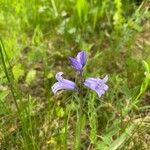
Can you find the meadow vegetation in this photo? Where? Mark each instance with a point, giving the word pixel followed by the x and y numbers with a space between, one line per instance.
pixel 36 39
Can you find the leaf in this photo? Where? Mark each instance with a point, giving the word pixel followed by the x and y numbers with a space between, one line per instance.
pixel 107 137
pixel 18 72
pixel 59 111
pixel 147 77
pixel 30 76
pixel 3 94
pixel 82 9
pixel 120 140
pixel 50 75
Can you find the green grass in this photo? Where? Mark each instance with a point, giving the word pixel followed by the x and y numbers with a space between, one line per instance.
pixel 36 39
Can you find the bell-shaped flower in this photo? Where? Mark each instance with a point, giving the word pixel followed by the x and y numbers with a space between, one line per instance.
pixel 98 85
pixel 63 84
pixel 78 62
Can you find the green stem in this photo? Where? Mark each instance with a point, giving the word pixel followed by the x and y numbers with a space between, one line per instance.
pixel 79 118
pixel 79 127
pixel 67 114
pixel 30 132
pixel 8 78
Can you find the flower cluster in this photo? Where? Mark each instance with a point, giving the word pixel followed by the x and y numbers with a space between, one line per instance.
pixel 96 84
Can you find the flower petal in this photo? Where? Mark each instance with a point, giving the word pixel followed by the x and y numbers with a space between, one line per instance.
pixel 91 80
pixel 99 92
pixel 81 58
pixel 104 87
pixel 91 83
pixel 96 84
pixel 62 86
pixel 105 79
pixel 77 65
pixel 65 81
pixel 58 76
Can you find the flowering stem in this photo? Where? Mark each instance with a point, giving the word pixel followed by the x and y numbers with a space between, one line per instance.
pixel 79 126
pixel 79 118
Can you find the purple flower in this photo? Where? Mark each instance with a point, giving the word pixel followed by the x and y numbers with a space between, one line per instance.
pixel 63 84
pixel 78 62
pixel 96 84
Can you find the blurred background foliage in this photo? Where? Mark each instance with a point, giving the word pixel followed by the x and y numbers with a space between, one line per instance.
pixel 39 35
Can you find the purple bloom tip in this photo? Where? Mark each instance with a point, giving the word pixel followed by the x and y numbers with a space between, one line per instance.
pixel 78 62
pixel 96 84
